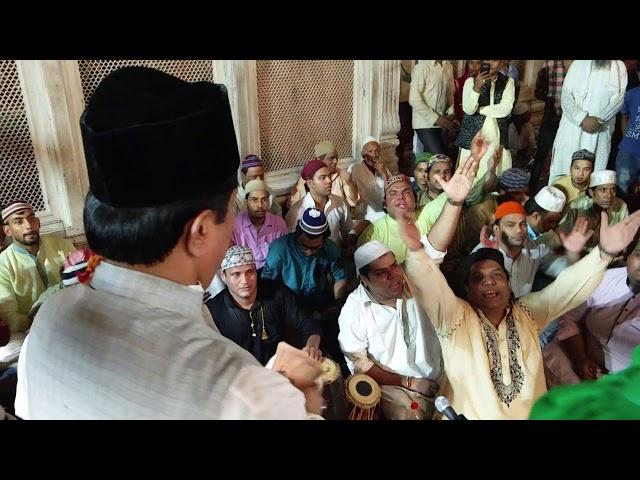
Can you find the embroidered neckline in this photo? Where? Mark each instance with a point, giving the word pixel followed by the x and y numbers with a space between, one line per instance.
pixel 506 393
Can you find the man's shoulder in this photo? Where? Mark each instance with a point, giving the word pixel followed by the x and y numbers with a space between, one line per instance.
pixel 331 249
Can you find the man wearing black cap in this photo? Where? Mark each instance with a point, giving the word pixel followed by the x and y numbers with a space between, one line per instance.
pixel 490 345
pixel 135 341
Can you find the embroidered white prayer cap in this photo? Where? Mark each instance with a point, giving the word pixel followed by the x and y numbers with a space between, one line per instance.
pixel 603 177
pixel 369 139
pixel 369 252
pixel 551 199
pixel 237 256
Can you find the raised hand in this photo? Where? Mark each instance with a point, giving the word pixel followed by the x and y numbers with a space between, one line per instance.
pixel 459 185
pixel 409 232
pixel 578 237
pixel 495 160
pixel 615 238
pixel 479 146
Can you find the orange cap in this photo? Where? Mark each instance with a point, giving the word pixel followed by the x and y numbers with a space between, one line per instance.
pixel 508 208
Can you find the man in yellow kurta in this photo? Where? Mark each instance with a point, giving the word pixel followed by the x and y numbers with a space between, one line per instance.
pixel 29 266
pixel 490 343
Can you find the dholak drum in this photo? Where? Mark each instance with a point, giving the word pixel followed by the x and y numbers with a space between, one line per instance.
pixel 333 393
pixel 363 394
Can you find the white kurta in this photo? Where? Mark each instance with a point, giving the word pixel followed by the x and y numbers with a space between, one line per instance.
pixel 587 91
pixel 489 128
pixel 136 346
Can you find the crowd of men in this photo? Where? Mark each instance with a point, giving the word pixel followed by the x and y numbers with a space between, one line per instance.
pixel 467 277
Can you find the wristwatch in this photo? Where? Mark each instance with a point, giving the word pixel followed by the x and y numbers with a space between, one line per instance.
pixel 455 204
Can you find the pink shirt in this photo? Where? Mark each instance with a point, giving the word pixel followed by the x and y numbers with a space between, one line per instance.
pixel 612 316
pixel 245 234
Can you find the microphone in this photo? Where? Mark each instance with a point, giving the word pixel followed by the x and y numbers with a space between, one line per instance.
pixel 443 406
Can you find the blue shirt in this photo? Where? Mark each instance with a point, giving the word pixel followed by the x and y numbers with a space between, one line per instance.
pixel 631 141
pixel 304 275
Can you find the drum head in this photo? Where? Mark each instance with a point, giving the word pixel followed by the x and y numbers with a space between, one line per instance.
pixel 363 389
pixel 330 371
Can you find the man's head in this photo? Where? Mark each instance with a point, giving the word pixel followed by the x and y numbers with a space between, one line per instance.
pixel 473 67
pixel 494 66
pixel 487 280
pixel 370 151
pixel 515 182
pixel 326 151
pixel 511 224
pixel 20 223
pixel 520 114
pixel 421 169
pixel 545 209
pixel 151 142
pixel 379 272
pixel 313 230
pixel 438 165
pixel 251 169
pixel 317 178
pixel 582 163
pixel 602 188
pixel 633 266
pixel 257 196
pixel 399 198
pixel 602 64
pixel 239 272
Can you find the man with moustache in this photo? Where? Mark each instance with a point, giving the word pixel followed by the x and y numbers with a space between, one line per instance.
pixel 29 266
pixel 490 345
pixel 369 176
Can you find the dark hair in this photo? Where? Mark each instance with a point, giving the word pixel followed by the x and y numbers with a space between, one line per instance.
pixel 531 207
pixel 326 234
pixel 244 170
pixel 147 235
pixel 593 162
pixel 364 271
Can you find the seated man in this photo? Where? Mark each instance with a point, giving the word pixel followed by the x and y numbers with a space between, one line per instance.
pixel 29 266
pixel 257 227
pixel 602 198
pixel 576 183
pixel 387 335
pixel 599 335
pixel 369 176
pixel 317 176
pixel 305 261
pixel 493 360
pixel 400 201
pixel 522 140
pixel 341 184
pixel 252 168
pixel 257 314
pixel 523 257
pixel 426 187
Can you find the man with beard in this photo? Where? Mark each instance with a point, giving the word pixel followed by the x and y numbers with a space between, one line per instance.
pixel 252 168
pixel 257 227
pixel 610 321
pixel 592 93
pixel 490 345
pixel 602 197
pixel 29 266
pixel 523 257
pixel 369 176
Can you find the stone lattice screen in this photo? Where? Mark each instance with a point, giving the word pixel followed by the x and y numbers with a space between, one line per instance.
pixel 19 177
pixel 300 103
pixel 93 71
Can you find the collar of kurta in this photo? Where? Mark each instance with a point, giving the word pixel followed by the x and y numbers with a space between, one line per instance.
pixel 309 202
pixel 23 251
pixel 158 293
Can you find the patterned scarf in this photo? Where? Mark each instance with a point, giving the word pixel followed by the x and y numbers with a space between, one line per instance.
pixel 556 78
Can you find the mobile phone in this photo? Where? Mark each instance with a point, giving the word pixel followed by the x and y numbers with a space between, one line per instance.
pixel 485 67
